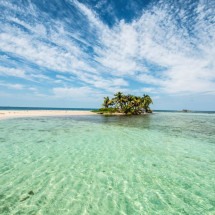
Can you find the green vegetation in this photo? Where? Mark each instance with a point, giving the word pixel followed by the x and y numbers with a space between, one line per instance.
pixel 126 104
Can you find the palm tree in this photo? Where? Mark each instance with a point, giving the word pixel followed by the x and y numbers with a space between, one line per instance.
pixel 128 104
pixel 137 105
pixel 146 102
pixel 107 102
pixel 119 99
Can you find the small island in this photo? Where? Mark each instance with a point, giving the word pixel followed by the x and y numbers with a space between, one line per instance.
pixel 122 104
pixel 186 111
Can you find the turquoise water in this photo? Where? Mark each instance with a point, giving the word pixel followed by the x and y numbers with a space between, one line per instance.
pixel 162 163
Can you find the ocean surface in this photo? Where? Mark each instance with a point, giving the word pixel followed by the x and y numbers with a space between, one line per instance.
pixel 163 163
pixel 8 108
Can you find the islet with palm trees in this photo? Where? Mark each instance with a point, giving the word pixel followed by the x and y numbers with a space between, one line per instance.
pixel 126 105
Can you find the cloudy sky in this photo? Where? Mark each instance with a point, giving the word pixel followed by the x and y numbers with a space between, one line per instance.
pixel 72 53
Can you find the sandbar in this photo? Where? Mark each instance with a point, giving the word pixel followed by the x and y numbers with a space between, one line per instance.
pixel 5 114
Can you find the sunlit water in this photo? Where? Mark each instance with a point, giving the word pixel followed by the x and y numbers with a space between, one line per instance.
pixel 162 163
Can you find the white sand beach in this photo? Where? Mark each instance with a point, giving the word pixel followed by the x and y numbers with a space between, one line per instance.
pixel 5 114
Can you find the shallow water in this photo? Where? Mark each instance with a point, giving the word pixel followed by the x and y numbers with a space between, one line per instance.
pixel 162 163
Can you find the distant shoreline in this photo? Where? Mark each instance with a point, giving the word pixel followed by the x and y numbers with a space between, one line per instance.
pixel 6 114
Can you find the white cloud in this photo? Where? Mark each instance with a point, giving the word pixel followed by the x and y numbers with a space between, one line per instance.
pixel 128 51
pixel 12 72
pixel 94 21
pixel 71 92
pixel 24 73
pixel 148 90
pixel 63 78
pixel 39 52
pixel 102 82
pixel 32 89
pixel 12 86
pixel 54 50
pixel 74 92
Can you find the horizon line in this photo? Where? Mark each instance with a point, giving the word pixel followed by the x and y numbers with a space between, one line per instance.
pixel 90 108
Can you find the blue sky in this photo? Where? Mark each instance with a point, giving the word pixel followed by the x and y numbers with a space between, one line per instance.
pixel 70 53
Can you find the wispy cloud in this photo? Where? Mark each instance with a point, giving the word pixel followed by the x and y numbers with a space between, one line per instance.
pixel 12 86
pixel 169 49
pixel 157 37
pixel 12 72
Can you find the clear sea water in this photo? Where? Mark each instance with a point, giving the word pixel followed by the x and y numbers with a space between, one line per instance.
pixel 163 163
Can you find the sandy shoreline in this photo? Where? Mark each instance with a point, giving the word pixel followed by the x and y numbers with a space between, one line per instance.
pixel 5 114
